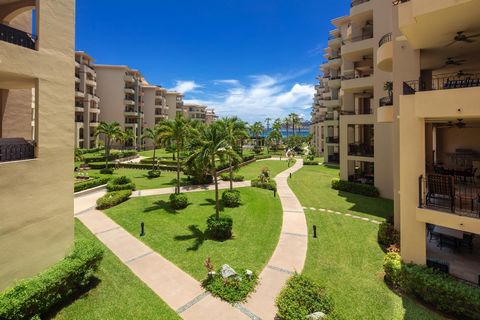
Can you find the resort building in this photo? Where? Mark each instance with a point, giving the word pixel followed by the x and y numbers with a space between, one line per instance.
pixel 432 56
pixel 121 99
pixel 348 95
pixel 87 111
pixel 36 135
pixel 195 112
pixel 174 103
pixel 210 116
pixel 155 109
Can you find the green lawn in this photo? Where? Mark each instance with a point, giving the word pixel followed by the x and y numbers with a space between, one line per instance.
pixel 118 295
pixel 252 170
pixel 346 257
pixel 312 185
pixel 141 180
pixel 162 153
pixel 179 235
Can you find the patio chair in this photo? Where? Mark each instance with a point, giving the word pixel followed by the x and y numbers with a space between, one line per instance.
pixel 440 265
pixel 467 241
pixel 449 242
pixel 441 187
pixel 431 232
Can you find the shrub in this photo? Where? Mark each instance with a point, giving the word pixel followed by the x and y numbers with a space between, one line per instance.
pixel 257 149
pixel 235 177
pixel 231 198
pixel 248 158
pixel 220 229
pixel 178 201
pixel 392 265
pixel 269 185
pixel 154 174
pixel 106 171
pixel 300 297
pixel 352 187
pixel 84 185
pixel 120 183
pixel 111 199
pixel 30 298
pixel 387 235
pixel 232 289
pixel 310 163
pixel 201 179
pixel 260 157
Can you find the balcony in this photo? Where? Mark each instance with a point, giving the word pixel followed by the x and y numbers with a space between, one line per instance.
pixel 385 53
pixel 355 3
pixel 353 81
pixel 334 41
pixel 17 37
pixel 129 102
pixel 79 108
pixel 129 78
pixel 129 91
pixel 90 82
pixel 334 158
pixel 385 112
pixel 79 94
pixel 15 149
pixel 331 103
pixel 335 82
pixel 333 140
pixel 360 8
pixel 360 150
pixel 356 47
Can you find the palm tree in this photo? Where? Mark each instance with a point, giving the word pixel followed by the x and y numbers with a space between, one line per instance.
pixel 256 129
pixel 275 135
pixel 267 121
pixel 388 86
pixel 124 137
pixel 235 131
pixel 286 123
pixel 214 146
pixel 154 135
pixel 175 132
pixel 110 132
pixel 294 120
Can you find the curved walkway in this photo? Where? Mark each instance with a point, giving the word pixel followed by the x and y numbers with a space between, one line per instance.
pixel 178 289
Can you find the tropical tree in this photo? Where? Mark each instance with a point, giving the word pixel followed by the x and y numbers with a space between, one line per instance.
pixel 286 124
pixel 267 121
pixel 388 86
pixel 294 120
pixel 110 132
pixel 154 136
pixel 277 124
pixel 256 130
pixel 276 136
pixel 214 146
pixel 125 136
pixel 175 132
pixel 235 131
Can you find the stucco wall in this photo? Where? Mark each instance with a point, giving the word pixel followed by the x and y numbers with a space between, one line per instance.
pixel 37 195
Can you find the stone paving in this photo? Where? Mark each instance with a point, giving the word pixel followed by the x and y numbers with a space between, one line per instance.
pixel 345 214
pixel 179 290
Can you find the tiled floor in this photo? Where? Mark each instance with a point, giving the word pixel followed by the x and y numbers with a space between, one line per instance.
pixel 463 264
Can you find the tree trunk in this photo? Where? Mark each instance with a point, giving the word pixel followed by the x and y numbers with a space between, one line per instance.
pixel 217 213
pixel 154 149
pixel 178 171
pixel 231 175
pixel 107 150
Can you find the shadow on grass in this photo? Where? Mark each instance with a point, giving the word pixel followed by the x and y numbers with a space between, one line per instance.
pixel 211 202
pixel 196 234
pixel 379 207
pixel 51 314
pixel 161 204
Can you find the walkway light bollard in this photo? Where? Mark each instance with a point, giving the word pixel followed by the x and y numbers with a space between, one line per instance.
pixel 142 231
pixel 314 231
pixel 290 175
pixel 274 193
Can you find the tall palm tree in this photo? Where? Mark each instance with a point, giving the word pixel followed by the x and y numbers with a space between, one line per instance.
pixel 277 124
pixel 294 120
pixel 267 121
pixel 154 135
pixel 286 124
pixel 235 131
pixel 256 129
pixel 275 135
pixel 124 137
pixel 214 146
pixel 176 133
pixel 110 132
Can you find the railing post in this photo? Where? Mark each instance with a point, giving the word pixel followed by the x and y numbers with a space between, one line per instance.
pixel 420 194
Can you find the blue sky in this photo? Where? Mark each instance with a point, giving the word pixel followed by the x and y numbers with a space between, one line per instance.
pixel 251 58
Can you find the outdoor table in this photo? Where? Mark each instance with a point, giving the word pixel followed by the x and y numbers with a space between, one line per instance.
pixel 448 232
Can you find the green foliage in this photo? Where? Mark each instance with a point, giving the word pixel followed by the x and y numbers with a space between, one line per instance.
pixel 387 235
pixel 248 158
pixel 352 187
pixel 220 229
pixel 111 199
pixel 302 296
pixel 231 198
pixel 120 183
pixel 235 177
pixel 154 174
pixel 269 185
pixel 233 289
pixel 265 156
pixel 87 151
pixel 31 298
pixel 295 143
pixel 310 163
pixel 437 288
pixel 105 170
pixel 112 156
pixel 84 185
pixel 178 201
pixel 257 149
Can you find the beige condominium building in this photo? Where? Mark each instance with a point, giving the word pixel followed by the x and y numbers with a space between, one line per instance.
pixel 348 95
pixel 174 102
pixel 210 116
pixel 155 108
pixel 121 99
pixel 87 111
pixel 433 56
pixel 36 135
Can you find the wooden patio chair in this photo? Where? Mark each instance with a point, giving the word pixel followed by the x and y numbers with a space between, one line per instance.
pixel 442 187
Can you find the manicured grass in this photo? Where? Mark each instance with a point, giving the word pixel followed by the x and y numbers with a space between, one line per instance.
pixel 161 153
pixel 141 179
pixel 312 185
pixel 252 170
pixel 346 257
pixel 119 294
pixel 179 235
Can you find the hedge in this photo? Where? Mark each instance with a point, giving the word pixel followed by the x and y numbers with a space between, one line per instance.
pixel 302 296
pixel 112 156
pixel 33 297
pixel 178 201
pixel 220 229
pixel 92 183
pixel 144 166
pixel 235 177
pixel 270 185
pixel 120 183
pixel 111 199
pixel 231 198
pixel 310 163
pixel 160 161
pixel 387 235
pixel 352 187
pixel 437 288
pixel 86 151
pixel 260 157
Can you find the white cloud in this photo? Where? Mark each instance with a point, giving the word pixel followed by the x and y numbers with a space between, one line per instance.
pixel 232 82
pixel 265 96
pixel 185 86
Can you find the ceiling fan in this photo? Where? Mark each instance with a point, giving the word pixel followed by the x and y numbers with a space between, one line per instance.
pixel 462 73
pixel 460 124
pixel 452 62
pixel 461 37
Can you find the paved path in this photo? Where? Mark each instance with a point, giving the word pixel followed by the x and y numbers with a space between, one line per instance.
pixel 178 289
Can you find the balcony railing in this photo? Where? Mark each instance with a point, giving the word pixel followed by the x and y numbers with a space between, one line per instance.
pixel 333 139
pixel 18 37
pixel 14 149
pixel 360 149
pixel 449 193
pixel 359 38
pixel 397 2
pixel 442 82
pixel 386 101
pixel 334 158
pixel 357 2
pixel 349 75
pixel 330 117
pixel 385 39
